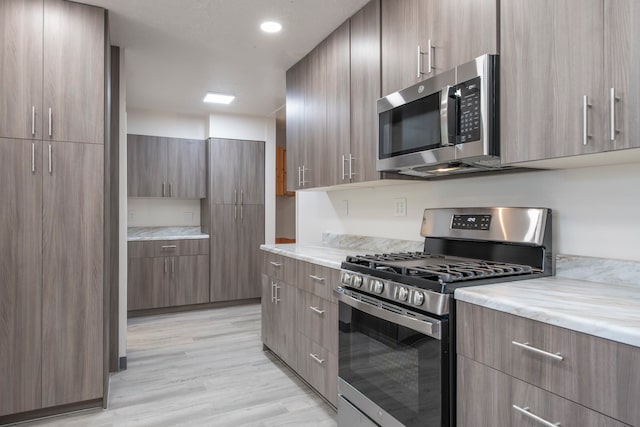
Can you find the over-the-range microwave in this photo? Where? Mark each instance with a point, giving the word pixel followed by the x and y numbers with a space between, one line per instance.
pixel 445 124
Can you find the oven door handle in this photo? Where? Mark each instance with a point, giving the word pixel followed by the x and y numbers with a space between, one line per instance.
pixel 430 327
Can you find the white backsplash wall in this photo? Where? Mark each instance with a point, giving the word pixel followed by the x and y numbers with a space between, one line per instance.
pixel 162 212
pixel 595 210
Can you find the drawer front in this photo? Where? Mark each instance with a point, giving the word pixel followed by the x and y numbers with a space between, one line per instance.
pixel 594 372
pixel 317 318
pixel 273 265
pixel 490 398
pixel 160 248
pixel 318 279
pixel 318 367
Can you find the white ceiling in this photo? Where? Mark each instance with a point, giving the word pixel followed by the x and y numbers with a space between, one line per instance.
pixel 176 50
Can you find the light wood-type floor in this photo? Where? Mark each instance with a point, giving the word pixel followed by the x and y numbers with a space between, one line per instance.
pixel 203 368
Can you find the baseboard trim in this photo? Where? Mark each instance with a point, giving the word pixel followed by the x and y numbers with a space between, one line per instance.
pixel 51 412
pixel 193 307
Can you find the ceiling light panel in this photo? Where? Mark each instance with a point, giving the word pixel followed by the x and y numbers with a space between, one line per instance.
pixel 271 27
pixel 218 98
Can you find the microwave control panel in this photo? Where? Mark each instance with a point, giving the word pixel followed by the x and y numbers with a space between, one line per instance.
pixel 469 110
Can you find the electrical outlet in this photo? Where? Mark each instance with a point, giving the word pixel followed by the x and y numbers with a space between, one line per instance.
pixel 400 206
pixel 188 216
pixel 132 215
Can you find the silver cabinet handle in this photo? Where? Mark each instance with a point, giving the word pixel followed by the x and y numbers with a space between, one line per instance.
pixel 343 171
pixel 585 120
pixel 50 124
pixel 351 172
pixel 318 278
pixel 316 358
pixel 165 266
pixel 299 179
pixel 419 70
pixel 33 157
pixel 169 246
pixel 316 310
pixel 33 120
pixel 304 181
pixel 430 53
pixel 163 188
pixel 277 300
pixel 50 161
pixel 275 264
pixel 273 298
pixel 613 99
pixel 528 347
pixel 525 411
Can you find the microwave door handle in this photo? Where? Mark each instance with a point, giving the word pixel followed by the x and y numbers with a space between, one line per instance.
pixel 447 116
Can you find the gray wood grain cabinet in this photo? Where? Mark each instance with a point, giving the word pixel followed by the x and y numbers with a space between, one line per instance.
pixel 167 273
pixel 595 373
pixel 166 167
pixel 421 38
pixel 52 76
pixel 296 146
pixel 237 171
pixel 278 325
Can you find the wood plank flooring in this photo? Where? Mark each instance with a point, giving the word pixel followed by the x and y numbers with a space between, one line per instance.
pixel 203 368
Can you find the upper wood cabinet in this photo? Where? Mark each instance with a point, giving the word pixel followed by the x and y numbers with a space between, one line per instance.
pixel 296 146
pixel 52 71
pixel 166 167
pixel 421 38
pixel 21 71
pixel 551 72
pixel 237 171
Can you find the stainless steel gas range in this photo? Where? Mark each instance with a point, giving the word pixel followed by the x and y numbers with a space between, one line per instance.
pixel 397 312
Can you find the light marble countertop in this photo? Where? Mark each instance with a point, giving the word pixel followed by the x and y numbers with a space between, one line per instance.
pixel 164 233
pixel 317 254
pixel 610 311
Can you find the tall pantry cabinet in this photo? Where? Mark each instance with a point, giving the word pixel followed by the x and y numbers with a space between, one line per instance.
pixel 51 216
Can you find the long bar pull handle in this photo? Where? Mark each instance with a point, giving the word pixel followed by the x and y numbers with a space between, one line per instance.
pixel 351 172
pixel 585 120
pixel 50 161
pixel 273 285
pixel 343 169
pixel 173 265
pixel 299 180
pixel 164 185
pixel 318 278
pixel 33 121
pixel 50 124
pixel 525 411
pixel 430 61
pixel 316 358
pixel 316 310
pixel 613 99
pixel 33 157
pixel 419 70
pixel 170 190
pixel 169 246
pixel 275 264
pixel 277 288
pixel 528 347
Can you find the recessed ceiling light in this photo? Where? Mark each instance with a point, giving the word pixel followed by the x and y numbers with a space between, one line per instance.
pixel 270 27
pixel 218 98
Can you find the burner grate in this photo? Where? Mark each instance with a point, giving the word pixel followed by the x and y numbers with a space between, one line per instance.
pixel 460 271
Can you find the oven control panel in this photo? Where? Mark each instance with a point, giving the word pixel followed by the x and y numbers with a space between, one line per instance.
pixel 471 222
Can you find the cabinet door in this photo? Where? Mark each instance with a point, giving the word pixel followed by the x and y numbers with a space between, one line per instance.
pixel 21 70
pixel 337 148
pixel 251 173
pixel 224 252
pixel 21 273
pixel 186 168
pixel 622 66
pixel 285 301
pixel 545 71
pixel 191 280
pixel 400 40
pixel 224 184
pixel 73 72
pixel 72 294
pixel 365 91
pixel 146 166
pixel 296 77
pixel 148 282
pixel 249 238
pixel 269 326
pixel 315 118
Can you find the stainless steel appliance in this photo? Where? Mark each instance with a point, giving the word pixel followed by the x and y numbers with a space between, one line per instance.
pixel 442 125
pixel 397 315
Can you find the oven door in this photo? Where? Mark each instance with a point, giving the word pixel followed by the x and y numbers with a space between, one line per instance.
pixel 393 363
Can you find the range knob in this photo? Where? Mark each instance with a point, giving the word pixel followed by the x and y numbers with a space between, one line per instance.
pixel 357 281
pixel 403 294
pixel 378 286
pixel 418 298
pixel 346 278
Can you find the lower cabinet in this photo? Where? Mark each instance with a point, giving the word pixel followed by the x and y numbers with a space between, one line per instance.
pixel 300 320
pixel 167 281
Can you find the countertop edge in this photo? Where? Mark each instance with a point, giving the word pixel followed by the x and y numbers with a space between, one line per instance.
pixel 299 256
pixel 156 238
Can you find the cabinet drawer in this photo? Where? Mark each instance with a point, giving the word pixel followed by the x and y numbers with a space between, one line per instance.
pixel 591 371
pixel 279 267
pixel 318 367
pixel 317 318
pixel 317 279
pixel 159 248
pixel 486 397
